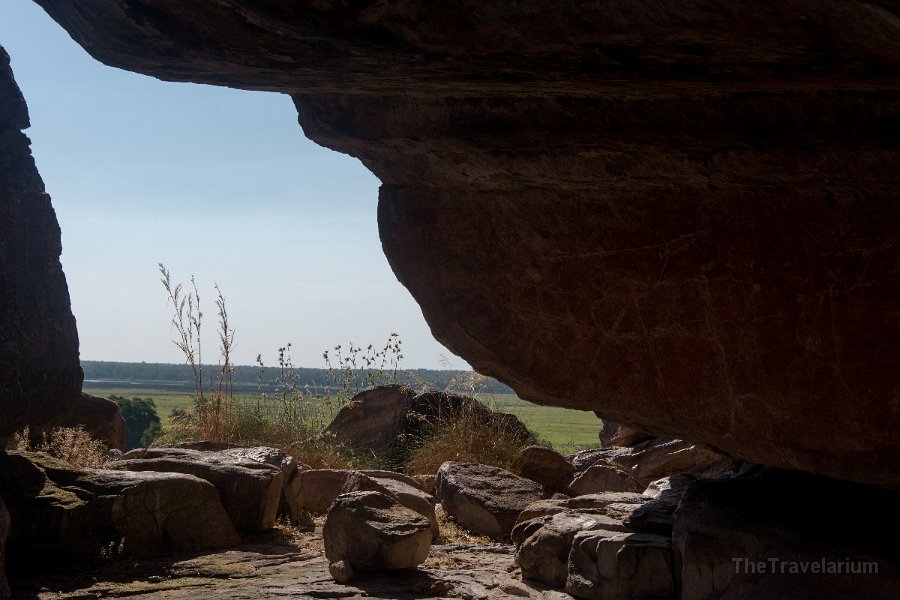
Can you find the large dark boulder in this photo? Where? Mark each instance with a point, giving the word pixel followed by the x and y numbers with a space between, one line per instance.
pixel 685 220
pixel 40 375
pixel 60 512
pixel 100 417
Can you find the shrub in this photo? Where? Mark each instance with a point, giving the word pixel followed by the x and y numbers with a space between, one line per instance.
pixel 142 420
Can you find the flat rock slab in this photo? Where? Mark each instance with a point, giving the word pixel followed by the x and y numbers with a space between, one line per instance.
pixel 299 570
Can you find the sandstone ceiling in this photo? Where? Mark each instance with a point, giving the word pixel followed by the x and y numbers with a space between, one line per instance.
pixel 683 215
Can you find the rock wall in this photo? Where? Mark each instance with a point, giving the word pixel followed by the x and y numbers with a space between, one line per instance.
pixel 683 218
pixel 40 374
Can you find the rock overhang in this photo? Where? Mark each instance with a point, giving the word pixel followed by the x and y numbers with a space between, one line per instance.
pixel 682 219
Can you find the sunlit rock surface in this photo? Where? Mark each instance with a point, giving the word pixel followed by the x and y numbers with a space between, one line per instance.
pixel 685 220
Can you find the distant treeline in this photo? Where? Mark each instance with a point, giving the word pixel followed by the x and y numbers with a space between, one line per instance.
pixel 251 377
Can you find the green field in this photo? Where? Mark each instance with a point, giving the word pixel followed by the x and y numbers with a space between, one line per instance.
pixel 566 430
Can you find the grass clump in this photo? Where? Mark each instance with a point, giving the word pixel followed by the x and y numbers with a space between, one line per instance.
pixel 468 435
pixel 72 445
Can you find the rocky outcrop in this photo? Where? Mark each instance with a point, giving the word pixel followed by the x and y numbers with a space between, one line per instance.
pixel 100 418
pixel 546 466
pixel 250 490
pixel 40 374
pixel 482 499
pixel 764 536
pixel 372 418
pixel 392 419
pixel 371 532
pixel 658 457
pixel 4 531
pixel 401 492
pixel 59 511
pixel 602 478
pixel 614 434
pixel 682 219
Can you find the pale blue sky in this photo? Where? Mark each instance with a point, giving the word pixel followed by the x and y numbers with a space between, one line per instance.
pixel 214 182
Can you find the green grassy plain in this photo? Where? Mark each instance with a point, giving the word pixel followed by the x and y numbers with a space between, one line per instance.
pixel 566 430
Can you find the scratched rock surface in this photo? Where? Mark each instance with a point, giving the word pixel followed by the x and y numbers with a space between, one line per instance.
pixel 684 220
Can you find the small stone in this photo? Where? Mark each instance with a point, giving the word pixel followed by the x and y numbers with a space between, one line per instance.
pixel 341 571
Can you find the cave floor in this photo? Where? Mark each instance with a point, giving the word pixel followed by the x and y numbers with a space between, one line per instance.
pixel 287 568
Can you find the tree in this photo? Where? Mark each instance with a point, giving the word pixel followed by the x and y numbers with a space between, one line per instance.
pixel 143 422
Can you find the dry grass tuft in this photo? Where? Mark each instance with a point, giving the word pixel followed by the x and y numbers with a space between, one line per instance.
pixel 467 437
pixel 73 445
pixel 452 533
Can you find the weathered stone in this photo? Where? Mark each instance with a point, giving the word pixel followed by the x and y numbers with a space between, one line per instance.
pixel 615 434
pixel 250 490
pixel 483 499
pixel 717 267
pixel 341 571
pixel 543 544
pixel 62 511
pixel 319 488
pixel 372 418
pixel 776 535
pixel 658 458
pixel 426 483
pixel 40 375
pixel 615 504
pixel 372 532
pixel 606 565
pixel 289 504
pixel 546 466
pixel 100 418
pixel 601 477
pixel 404 494
pixel 4 532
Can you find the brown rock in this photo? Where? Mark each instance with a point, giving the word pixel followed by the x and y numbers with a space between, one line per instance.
pixel 404 494
pixel 371 532
pixel 775 534
pixel 372 418
pixel 289 504
pixel 59 511
pixel 658 458
pixel 601 477
pixel 320 487
pixel 620 566
pixel 485 500
pixel 542 550
pixel 614 434
pixel 717 267
pixel 100 418
pixel 250 490
pixel 547 467
pixel 618 505
pixel 4 532
pixel 40 375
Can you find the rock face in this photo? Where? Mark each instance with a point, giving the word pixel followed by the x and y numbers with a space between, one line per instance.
pixel 372 532
pixel 40 375
pixel 547 467
pixel 250 490
pixel 602 478
pixel 388 418
pixel 373 418
pixel 762 536
pixel 100 417
pixel 684 220
pixel 59 511
pixel 4 531
pixel 485 500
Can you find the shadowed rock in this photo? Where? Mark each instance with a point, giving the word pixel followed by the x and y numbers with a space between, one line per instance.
pixel 681 219
pixel 4 531
pixel 60 511
pixel 250 490
pixel 601 477
pixel 40 375
pixel 546 466
pixel 100 418
pixel 483 499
